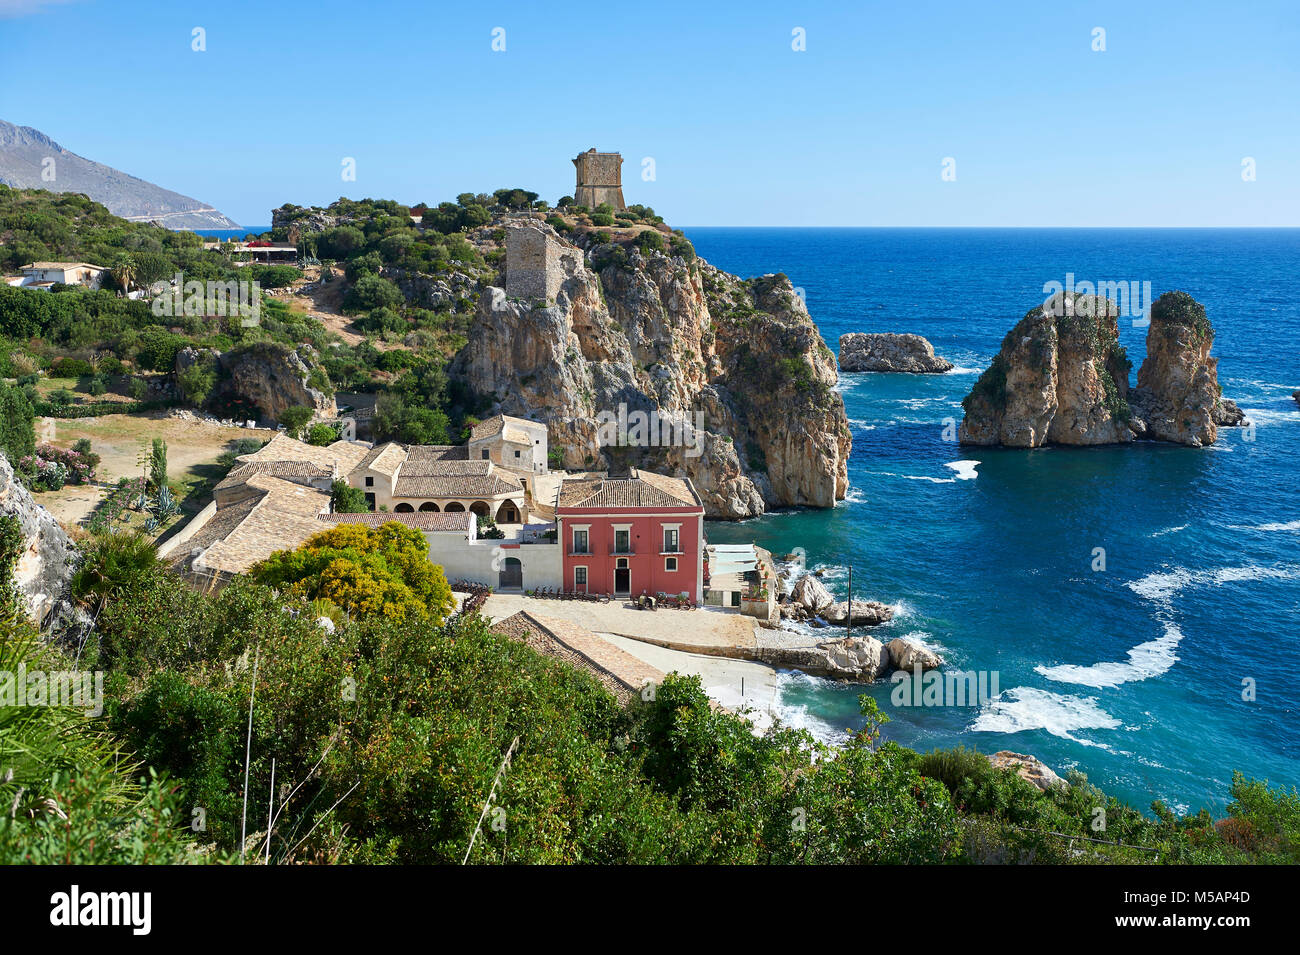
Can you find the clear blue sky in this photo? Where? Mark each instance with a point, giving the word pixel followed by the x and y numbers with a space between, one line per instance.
pixel 743 129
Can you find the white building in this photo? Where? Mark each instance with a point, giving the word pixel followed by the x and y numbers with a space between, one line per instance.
pixel 42 275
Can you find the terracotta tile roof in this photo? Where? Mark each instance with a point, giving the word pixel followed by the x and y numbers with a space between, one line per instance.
pixel 420 463
pixel 641 489
pixel 343 454
pixel 281 517
pixel 384 458
pixel 456 485
pixel 515 428
pixel 285 469
pixel 420 520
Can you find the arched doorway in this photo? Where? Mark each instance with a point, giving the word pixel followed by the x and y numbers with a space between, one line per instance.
pixel 429 506
pixel 508 513
pixel 455 507
pixel 404 509
pixel 480 508
pixel 512 574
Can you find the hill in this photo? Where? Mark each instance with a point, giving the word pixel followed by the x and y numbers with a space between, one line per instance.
pixel 25 153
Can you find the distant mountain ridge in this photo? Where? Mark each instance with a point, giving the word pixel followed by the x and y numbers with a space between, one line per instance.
pixel 23 155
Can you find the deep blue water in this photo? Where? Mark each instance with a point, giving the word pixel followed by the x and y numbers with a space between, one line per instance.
pixel 1134 674
pixel 232 233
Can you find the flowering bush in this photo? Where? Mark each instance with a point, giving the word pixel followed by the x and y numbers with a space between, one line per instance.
pixel 51 468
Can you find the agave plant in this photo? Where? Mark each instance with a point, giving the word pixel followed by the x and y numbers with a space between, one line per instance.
pixel 165 505
pixel 151 525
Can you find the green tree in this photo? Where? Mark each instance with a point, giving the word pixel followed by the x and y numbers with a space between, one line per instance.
pixel 381 571
pixel 158 464
pixel 346 499
pixel 295 418
pixel 17 424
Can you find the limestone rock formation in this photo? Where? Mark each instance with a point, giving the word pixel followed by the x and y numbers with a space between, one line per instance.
pixel 811 594
pixel 859 659
pixel 908 655
pixel 269 375
pixel 1030 768
pixel 868 613
pixel 48 557
pixel 663 335
pixel 1061 377
pixel 883 351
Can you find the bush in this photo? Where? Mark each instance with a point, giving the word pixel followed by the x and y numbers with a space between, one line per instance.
pixel 69 368
pixel 321 434
pixel 371 292
pixel 295 419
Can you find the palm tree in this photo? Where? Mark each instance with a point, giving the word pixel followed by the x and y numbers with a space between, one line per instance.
pixel 113 562
pixel 123 272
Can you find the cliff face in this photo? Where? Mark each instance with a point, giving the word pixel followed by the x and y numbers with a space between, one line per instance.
pixel 48 558
pixel 271 376
pixel 1061 377
pixel 631 332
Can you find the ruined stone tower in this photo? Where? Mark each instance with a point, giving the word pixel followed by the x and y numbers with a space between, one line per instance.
pixel 600 179
pixel 537 263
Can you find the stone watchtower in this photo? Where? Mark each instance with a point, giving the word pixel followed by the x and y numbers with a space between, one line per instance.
pixel 537 263
pixel 600 179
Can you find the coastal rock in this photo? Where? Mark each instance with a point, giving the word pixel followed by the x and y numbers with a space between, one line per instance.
pixel 48 555
pixel 855 659
pixel 268 375
pixel 865 612
pixel 1061 377
pixel 1031 769
pixel 1296 395
pixel 885 351
pixel 1177 396
pixel 908 655
pixel 656 334
pixel 811 594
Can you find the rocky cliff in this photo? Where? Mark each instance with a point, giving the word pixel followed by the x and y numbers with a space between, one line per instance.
pixel 1061 377
pixel 268 375
pixel 48 557
pixel 884 351
pixel 670 335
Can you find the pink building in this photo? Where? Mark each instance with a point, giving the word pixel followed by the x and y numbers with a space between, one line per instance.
pixel 634 534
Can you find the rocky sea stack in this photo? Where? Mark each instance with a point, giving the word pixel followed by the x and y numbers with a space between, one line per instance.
pixel 885 351
pixel 1061 377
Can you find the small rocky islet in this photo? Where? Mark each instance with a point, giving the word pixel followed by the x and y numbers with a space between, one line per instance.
pixel 1061 377
pixel 890 352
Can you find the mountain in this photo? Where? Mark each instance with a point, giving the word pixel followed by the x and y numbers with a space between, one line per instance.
pixel 24 155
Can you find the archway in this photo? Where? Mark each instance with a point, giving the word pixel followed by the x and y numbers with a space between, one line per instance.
pixel 508 513
pixel 481 509
pixel 429 506
pixel 512 575
pixel 455 507
pixel 404 509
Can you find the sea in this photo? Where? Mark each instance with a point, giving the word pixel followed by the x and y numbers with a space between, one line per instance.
pixel 1138 605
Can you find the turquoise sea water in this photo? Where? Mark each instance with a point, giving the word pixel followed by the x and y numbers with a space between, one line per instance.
pixel 1134 674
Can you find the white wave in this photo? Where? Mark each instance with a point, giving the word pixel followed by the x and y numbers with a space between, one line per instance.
pixel 1161 587
pixel 1267 416
pixel 965 469
pixel 1288 526
pixel 1026 708
pixel 914 477
pixel 962 370
pixel 903 610
pixel 855 495
pixel 1170 530
pixel 1153 658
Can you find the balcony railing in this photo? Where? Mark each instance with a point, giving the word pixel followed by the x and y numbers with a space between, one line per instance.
pixel 625 551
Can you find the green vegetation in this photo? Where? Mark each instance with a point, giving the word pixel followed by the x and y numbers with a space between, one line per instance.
pixel 364 571
pixel 346 499
pixel 1179 308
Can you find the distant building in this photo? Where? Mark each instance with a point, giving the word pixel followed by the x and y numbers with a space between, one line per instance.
pixel 600 180
pixel 46 274
pixel 628 535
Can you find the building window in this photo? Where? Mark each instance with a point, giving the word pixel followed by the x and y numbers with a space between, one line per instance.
pixel 622 542
pixel 580 578
pixel 516 454
pixel 370 482
pixel 735 598
pixel 671 540
pixel 670 563
pixel 485 454
pixel 580 542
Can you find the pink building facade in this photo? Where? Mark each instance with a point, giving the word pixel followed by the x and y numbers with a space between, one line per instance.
pixel 628 536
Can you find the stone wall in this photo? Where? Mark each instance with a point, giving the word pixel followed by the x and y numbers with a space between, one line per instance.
pixel 537 263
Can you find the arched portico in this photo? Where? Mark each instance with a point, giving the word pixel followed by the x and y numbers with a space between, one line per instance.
pixel 454 507
pixel 404 509
pixel 481 508
pixel 429 506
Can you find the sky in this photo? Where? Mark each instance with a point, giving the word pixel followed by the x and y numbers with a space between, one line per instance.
pixel 892 114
